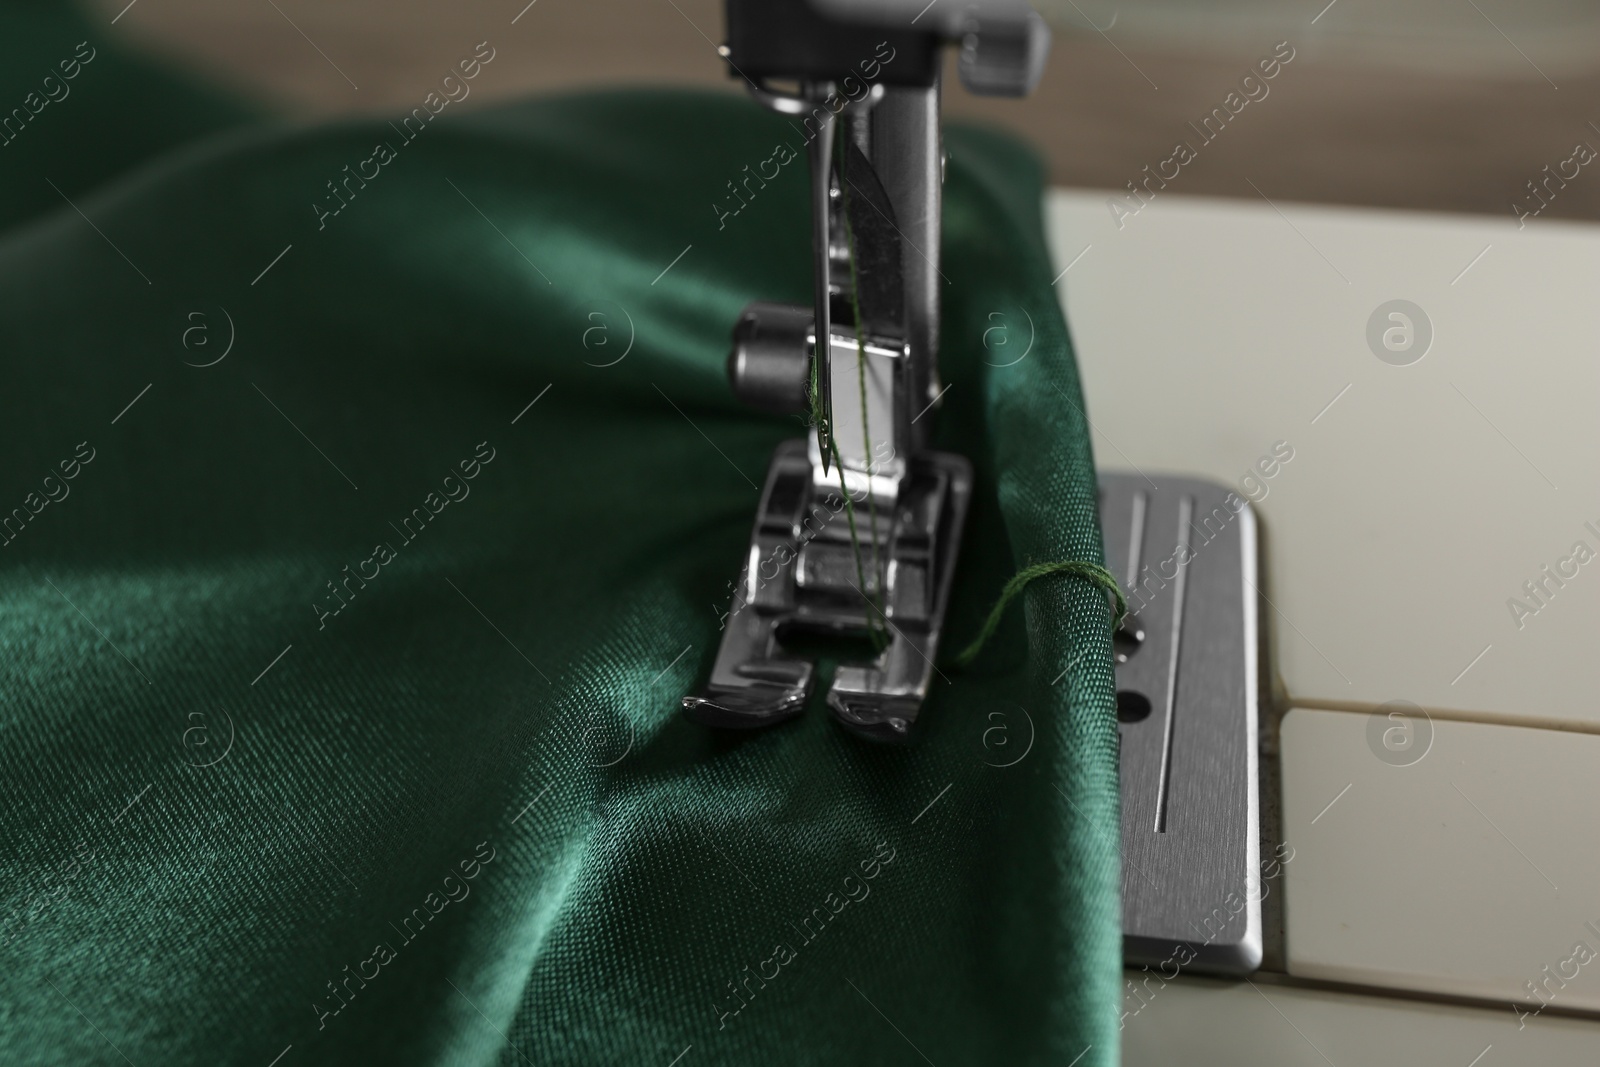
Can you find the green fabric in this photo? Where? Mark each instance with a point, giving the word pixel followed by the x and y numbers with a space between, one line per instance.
pixel 77 109
pixel 216 794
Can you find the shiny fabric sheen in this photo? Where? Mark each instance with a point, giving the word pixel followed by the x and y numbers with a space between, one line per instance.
pixel 220 796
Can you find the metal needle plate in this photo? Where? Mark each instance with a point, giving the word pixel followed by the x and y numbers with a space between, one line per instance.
pixel 1186 701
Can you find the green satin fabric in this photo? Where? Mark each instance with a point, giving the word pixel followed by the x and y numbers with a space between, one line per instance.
pixel 447 812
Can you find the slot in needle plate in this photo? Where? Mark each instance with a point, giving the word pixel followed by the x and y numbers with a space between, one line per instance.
pixel 1186 555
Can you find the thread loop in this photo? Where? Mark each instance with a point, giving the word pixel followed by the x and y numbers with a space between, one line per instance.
pixel 1077 568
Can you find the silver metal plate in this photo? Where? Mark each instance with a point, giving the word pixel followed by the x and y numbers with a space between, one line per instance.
pixel 1185 552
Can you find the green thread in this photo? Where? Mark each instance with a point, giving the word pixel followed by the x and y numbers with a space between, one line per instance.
pixel 861 384
pixel 879 638
pixel 875 630
pixel 844 490
pixel 819 352
pixel 1091 571
pixel 1078 569
pixel 833 448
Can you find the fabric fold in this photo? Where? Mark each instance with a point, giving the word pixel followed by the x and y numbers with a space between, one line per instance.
pixel 405 531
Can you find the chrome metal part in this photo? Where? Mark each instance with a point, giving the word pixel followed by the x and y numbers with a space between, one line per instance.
pixel 1187 690
pixel 770 358
pixel 864 91
pixel 801 573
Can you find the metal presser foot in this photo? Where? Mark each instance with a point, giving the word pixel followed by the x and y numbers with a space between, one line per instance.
pixel 859 524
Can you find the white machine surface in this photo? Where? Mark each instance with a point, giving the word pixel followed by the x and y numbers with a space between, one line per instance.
pixel 1202 1022
pixel 1431 590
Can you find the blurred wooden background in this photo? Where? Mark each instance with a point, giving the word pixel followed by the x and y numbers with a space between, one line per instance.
pixel 1444 106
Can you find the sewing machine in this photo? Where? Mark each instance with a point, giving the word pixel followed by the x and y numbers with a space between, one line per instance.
pixel 1186 654
pixel 1281 694
pixel 1427 745
pixel 861 81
